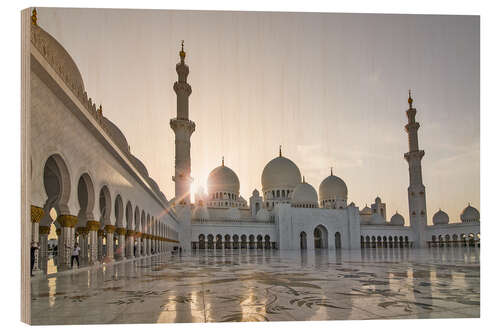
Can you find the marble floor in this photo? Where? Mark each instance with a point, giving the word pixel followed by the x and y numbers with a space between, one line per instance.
pixel 266 285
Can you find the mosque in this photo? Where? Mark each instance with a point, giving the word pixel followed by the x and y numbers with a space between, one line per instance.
pixel 289 214
pixel 85 182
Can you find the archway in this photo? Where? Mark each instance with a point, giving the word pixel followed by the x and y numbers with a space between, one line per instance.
pixel 236 243
pixel 338 243
pixel 218 242
pixel 210 239
pixel 320 237
pixel 57 183
pixel 303 240
pixel 86 199
pixel 227 241
pixel 259 242
pixel 252 242
pixel 243 241
pixel 201 242
pixel 267 242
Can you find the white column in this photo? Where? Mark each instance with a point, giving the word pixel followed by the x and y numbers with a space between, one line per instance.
pixel 93 252
pixel 110 229
pixel 43 255
pixel 67 223
pixel 129 246
pixel 120 251
pixel 36 215
pixel 100 242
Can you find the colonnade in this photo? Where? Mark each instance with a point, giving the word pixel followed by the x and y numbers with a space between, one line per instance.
pixel 97 243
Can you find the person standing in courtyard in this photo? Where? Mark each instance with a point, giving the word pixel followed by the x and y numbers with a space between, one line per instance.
pixel 75 255
pixel 34 247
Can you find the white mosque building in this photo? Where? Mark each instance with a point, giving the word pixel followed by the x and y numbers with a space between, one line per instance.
pixel 84 180
pixel 288 213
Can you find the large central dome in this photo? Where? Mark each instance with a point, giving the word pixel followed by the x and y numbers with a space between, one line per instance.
pixel 280 173
pixel 223 179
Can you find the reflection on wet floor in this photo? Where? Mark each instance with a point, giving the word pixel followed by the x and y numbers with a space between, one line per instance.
pixel 266 285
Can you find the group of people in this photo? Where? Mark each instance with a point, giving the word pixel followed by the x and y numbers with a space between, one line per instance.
pixel 75 255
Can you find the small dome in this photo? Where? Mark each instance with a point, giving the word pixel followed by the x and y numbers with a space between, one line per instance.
pixel 377 219
pixel 201 213
pixel 365 215
pixel 378 200
pixel 255 193
pixel 280 173
pixel 263 215
pixel 233 213
pixel 116 134
pixel 469 214
pixel 440 218
pixel 397 219
pixel 223 179
pixel 366 211
pixel 332 188
pixel 139 165
pixel 304 194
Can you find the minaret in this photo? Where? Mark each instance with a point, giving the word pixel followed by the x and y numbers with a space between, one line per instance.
pixel 416 190
pixel 183 128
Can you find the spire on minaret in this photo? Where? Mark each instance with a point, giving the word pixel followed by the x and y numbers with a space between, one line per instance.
pixel 280 150
pixel 410 100
pixel 222 160
pixel 33 16
pixel 182 54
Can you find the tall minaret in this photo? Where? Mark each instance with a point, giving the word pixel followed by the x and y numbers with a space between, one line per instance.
pixel 416 190
pixel 183 128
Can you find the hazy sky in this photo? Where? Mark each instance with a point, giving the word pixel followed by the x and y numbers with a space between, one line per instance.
pixel 331 88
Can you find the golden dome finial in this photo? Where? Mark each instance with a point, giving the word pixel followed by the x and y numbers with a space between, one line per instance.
pixel 331 171
pixel 222 160
pixel 182 54
pixel 280 150
pixel 410 100
pixel 303 179
pixel 33 16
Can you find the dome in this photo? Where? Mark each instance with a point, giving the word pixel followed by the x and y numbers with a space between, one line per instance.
pixel 116 135
pixel 469 214
pixel 263 215
pixel 201 213
pixel 332 188
pixel 397 219
pixel 440 218
pixel 233 213
pixel 280 173
pixel 377 219
pixel 366 211
pixel 304 194
pixel 255 193
pixel 57 55
pixel 139 165
pixel 365 215
pixel 223 179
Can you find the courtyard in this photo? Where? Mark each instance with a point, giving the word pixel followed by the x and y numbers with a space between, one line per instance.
pixel 265 285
